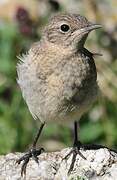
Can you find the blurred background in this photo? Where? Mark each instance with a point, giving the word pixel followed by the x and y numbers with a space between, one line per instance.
pixel 21 23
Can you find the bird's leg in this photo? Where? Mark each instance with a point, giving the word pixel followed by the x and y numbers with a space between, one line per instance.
pixel 32 153
pixel 76 148
pixel 77 144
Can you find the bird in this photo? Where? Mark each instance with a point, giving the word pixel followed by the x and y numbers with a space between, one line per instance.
pixel 58 76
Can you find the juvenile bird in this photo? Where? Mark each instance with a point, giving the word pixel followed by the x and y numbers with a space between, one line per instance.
pixel 57 76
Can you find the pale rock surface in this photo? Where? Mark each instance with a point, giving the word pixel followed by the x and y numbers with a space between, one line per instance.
pixel 101 164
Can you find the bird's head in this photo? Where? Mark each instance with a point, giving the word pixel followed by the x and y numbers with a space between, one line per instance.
pixel 69 30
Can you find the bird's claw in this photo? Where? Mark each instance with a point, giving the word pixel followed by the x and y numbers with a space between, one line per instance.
pixel 75 151
pixel 33 153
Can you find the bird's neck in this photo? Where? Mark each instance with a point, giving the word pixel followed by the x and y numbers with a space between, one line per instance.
pixel 57 49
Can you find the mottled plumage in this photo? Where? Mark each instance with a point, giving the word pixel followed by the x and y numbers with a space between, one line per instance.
pixel 58 76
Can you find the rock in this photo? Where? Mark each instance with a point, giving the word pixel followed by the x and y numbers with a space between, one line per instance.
pixel 100 164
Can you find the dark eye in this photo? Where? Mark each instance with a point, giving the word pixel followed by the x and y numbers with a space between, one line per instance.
pixel 65 28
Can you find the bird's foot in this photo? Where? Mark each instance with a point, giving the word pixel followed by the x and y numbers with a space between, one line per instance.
pixel 32 153
pixel 75 151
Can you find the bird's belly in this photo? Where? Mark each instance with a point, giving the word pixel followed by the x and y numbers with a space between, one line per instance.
pixel 70 111
pixel 45 98
pixel 50 108
pixel 74 114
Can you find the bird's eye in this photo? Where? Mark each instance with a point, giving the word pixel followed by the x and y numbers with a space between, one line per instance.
pixel 65 28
